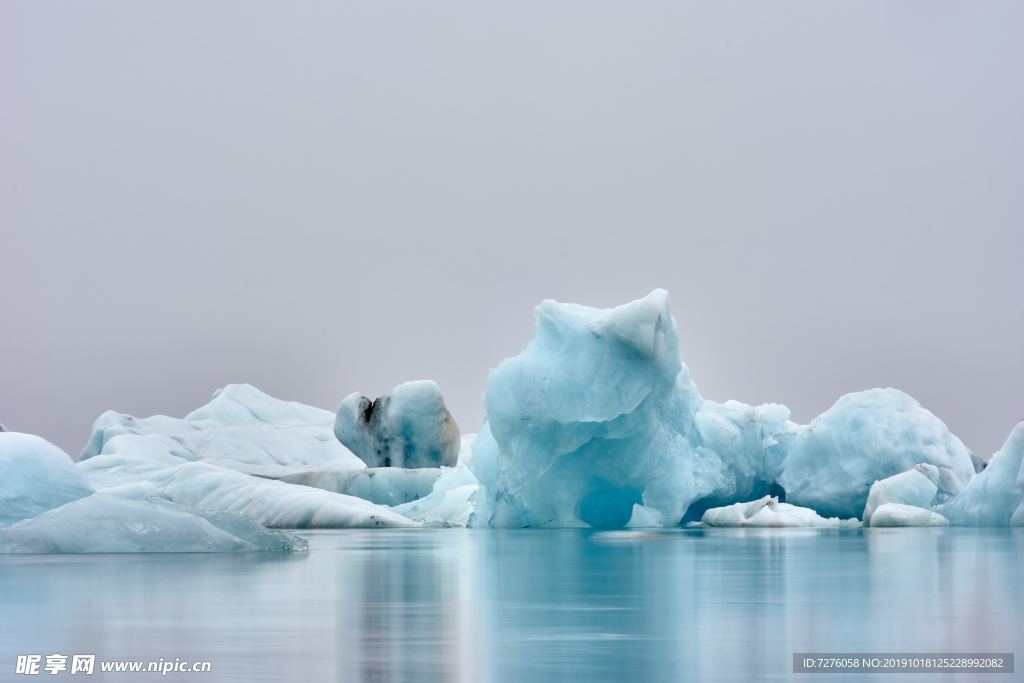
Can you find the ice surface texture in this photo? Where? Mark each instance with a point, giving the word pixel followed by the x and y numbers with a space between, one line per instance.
pixel 996 496
pixel 864 437
pixel 271 503
pixel 382 485
pixel 240 428
pixel 410 427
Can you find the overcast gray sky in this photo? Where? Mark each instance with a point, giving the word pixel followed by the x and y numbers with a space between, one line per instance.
pixel 323 197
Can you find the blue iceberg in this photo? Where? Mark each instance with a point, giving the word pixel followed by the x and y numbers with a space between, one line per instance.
pixel 995 497
pixel 598 423
pixel 864 437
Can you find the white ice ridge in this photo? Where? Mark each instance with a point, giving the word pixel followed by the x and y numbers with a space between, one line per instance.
pixel 769 512
pixel 241 428
pixel 996 496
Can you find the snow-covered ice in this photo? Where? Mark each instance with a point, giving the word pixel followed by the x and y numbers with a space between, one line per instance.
pixel 769 512
pixel 864 437
pixel 410 427
pixel 241 428
pixel 917 486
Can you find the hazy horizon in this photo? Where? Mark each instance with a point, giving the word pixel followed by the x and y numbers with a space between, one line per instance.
pixel 333 197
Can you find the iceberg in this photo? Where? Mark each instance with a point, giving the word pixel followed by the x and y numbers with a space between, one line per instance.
pixel 108 523
pixel 769 512
pixel 995 497
pixel 597 423
pixel 898 514
pixel 241 428
pixel 917 487
pixel 410 427
pixel 868 436
pixel 35 476
pixel 206 460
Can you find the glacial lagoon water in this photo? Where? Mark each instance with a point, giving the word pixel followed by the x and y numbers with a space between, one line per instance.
pixel 527 605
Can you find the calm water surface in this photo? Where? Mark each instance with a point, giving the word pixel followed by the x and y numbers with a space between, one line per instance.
pixel 527 605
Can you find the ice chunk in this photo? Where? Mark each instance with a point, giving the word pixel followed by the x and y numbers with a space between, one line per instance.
pixel 769 512
pixel 452 503
pixel 994 497
pixel 898 514
pixel 241 428
pixel 35 476
pixel 107 523
pixel 916 487
pixel 864 437
pixel 409 428
pixel 271 503
pixel 598 418
pixel 381 485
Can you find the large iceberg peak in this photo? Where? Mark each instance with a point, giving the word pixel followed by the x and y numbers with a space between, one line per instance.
pixel 588 364
pixel 597 423
pixel 645 326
